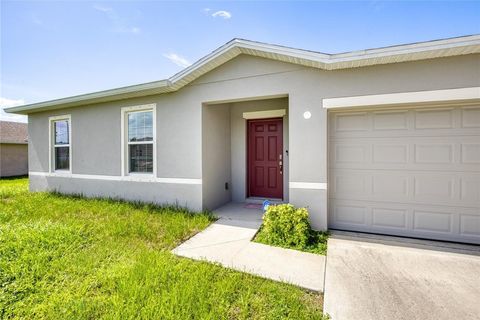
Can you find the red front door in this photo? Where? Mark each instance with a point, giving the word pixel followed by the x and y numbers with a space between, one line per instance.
pixel 265 158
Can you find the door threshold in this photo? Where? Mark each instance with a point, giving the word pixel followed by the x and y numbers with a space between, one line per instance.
pixel 259 200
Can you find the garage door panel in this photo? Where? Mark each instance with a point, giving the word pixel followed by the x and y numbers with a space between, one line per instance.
pixel 470 225
pixel 351 153
pixel 412 172
pixel 389 218
pixel 352 122
pixel 451 189
pixel 369 185
pixel 350 214
pixel 434 118
pixel 470 117
pixel 426 167
pixel 432 221
pixel 433 153
pixel 425 221
pixel 470 189
pixel 470 153
pixel 352 184
pixel 460 153
pixel 390 120
pixel 424 121
pixel 384 134
pixel 434 188
pixel 376 215
pixel 390 184
pixel 390 153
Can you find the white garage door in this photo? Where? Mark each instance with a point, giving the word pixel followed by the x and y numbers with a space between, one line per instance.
pixel 412 172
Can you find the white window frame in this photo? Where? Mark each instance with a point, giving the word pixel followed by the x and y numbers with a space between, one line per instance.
pixel 124 136
pixel 52 145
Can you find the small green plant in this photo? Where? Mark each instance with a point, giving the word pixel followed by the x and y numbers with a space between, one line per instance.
pixel 289 227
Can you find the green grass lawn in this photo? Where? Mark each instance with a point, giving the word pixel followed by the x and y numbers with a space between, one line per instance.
pixel 73 258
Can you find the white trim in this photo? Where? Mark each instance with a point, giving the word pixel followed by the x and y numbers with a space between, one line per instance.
pixel 51 145
pixel 60 117
pixel 394 54
pixel 308 185
pixel 264 114
pixel 419 97
pixel 123 136
pixel 132 178
pixel 139 107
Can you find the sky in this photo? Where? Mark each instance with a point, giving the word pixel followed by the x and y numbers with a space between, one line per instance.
pixel 55 49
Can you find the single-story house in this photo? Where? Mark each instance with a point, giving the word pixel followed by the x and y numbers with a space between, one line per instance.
pixel 382 140
pixel 13 149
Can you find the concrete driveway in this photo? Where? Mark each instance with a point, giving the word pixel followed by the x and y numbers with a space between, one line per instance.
pixel 374 277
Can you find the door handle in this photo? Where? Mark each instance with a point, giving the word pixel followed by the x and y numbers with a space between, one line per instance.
pixel 280 163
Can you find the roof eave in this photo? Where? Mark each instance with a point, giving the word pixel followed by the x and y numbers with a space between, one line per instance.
pixel 151 88
pixel 235 47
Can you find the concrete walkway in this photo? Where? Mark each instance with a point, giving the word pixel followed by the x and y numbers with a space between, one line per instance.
pixel 375 277
pixel 227 241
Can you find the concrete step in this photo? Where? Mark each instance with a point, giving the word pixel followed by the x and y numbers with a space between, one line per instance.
pixel 256 200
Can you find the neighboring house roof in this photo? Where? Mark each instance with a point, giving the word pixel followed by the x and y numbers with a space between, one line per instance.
pixel 394 54
pixel 13 132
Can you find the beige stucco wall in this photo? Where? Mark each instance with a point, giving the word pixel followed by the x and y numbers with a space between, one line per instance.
pixel 96 128
pixel 13 160
pixel 216 156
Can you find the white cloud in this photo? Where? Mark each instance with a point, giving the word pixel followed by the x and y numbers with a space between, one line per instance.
pixel 36 20
pixel 102 8
pixel 132 30
pixel 178 60
pixel 120 25
pixel 377 5
pixel 223 14
pixel 7 103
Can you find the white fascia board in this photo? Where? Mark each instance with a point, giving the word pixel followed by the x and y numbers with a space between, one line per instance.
pixel 336 61
pixel 89 97
pixel 292 52
pixel 408 48
pixel 418 97
pixel 204 61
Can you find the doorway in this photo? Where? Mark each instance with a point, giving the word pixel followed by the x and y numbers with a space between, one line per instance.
pixel 265 163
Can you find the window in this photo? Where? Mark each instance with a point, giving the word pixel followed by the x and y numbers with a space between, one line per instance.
pixel 60 152
pixel 139 140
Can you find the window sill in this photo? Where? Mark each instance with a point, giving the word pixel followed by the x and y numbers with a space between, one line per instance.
pixel 62 172
pixel 147 177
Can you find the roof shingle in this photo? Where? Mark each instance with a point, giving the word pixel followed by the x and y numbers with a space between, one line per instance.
pixel 13 132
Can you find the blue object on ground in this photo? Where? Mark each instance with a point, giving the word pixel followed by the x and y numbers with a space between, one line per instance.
pixel 266 204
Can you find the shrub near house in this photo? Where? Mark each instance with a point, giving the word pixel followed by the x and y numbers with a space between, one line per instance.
pixel 288 227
